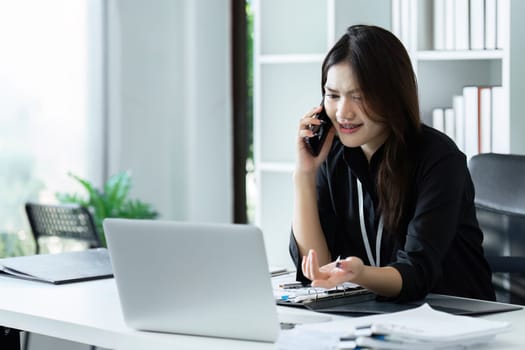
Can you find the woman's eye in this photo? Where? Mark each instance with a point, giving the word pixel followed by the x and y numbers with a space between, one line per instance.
pixel 356 97
pixel 331 96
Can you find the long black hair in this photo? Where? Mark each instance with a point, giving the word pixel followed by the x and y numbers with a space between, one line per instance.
pixel 386 78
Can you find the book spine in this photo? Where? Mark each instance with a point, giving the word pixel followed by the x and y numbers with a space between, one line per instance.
pixel 485 119
pixel 470 95
pixel 438 119
pixel 459 113
pixel 502 9
pixel 461 25
pixel 490 24
pixel 405 22
pixel 450 31
pixel 439 24
pixel 477 24
pixel 450 125
pixel 396 18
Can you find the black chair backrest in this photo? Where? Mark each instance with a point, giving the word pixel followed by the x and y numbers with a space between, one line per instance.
pixel 64 221
pixel 499 181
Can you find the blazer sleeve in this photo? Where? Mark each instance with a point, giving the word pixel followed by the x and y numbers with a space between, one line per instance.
pixel 327 217
pixel 440 187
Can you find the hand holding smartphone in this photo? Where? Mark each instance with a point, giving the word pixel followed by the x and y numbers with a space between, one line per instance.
pixel 315 143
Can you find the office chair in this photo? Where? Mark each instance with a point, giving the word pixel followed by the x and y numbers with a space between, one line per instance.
pixel 499 181
pixel 64 221
pixel 68 221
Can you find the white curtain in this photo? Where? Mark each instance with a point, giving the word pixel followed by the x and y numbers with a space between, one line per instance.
pixel 169 105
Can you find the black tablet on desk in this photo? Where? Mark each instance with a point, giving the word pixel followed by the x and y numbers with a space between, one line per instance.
pixel 465 306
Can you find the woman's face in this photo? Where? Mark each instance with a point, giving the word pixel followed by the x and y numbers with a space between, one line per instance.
pixel 344 105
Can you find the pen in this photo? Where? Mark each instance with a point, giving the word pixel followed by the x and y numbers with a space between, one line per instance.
pixel 292 285
pixel 338 262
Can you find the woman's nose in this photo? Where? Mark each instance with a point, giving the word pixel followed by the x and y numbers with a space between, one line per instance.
pixel 345 109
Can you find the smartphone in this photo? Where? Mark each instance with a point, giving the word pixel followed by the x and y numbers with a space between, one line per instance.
pixel 315 143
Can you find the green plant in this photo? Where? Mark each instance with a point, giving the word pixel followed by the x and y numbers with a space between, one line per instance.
pixel 112 202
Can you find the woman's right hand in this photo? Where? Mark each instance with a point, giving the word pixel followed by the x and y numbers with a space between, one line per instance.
pixel 306 226
pixel 333 273
pixel 306 162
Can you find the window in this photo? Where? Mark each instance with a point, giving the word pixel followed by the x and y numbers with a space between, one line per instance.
pixel 50 102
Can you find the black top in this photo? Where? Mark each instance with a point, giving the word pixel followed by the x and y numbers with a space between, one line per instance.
pixel 441 251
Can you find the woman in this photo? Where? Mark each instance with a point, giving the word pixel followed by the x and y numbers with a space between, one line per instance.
pixel 387 197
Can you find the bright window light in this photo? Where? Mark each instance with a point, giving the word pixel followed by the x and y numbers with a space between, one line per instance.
pixel 44 94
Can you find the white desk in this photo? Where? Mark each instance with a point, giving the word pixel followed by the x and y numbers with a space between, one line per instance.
pixel 89 312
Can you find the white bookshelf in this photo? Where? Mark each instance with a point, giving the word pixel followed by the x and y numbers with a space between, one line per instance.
pixel 442 73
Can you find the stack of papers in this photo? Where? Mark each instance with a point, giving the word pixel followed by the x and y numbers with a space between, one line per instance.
pixel 418 328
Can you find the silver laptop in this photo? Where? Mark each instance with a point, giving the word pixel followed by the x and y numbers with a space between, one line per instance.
pixel 201 279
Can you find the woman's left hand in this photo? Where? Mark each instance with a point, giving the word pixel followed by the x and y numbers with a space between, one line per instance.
pixel 332 274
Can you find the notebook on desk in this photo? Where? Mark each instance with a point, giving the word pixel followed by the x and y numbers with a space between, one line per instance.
pixel 60 268
pixel 200 279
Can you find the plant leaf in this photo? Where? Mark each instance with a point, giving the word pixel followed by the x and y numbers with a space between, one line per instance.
pixel 137 209
pixel 96 198
pixel 112 202
pixel 116 190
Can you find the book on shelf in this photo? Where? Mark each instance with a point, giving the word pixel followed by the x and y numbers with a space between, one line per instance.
pixel 459 112
pixel 502 25
pixel 450 31
pixel 439 24
pixel 438 119
pixel 471 108
pixel 485 116
pixel 450 123
pixel 461 25
pixel 477 24
pixel 490 24
pixel 400 25
pixel 486 123
pixel 443 120
pixel 469 24
pixel 396 18
pixel 405 25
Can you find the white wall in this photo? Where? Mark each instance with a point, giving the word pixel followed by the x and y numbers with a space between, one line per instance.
pixel 170 104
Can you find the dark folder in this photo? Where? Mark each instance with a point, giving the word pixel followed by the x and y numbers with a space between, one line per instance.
pixel 357 306
pixel 60 268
